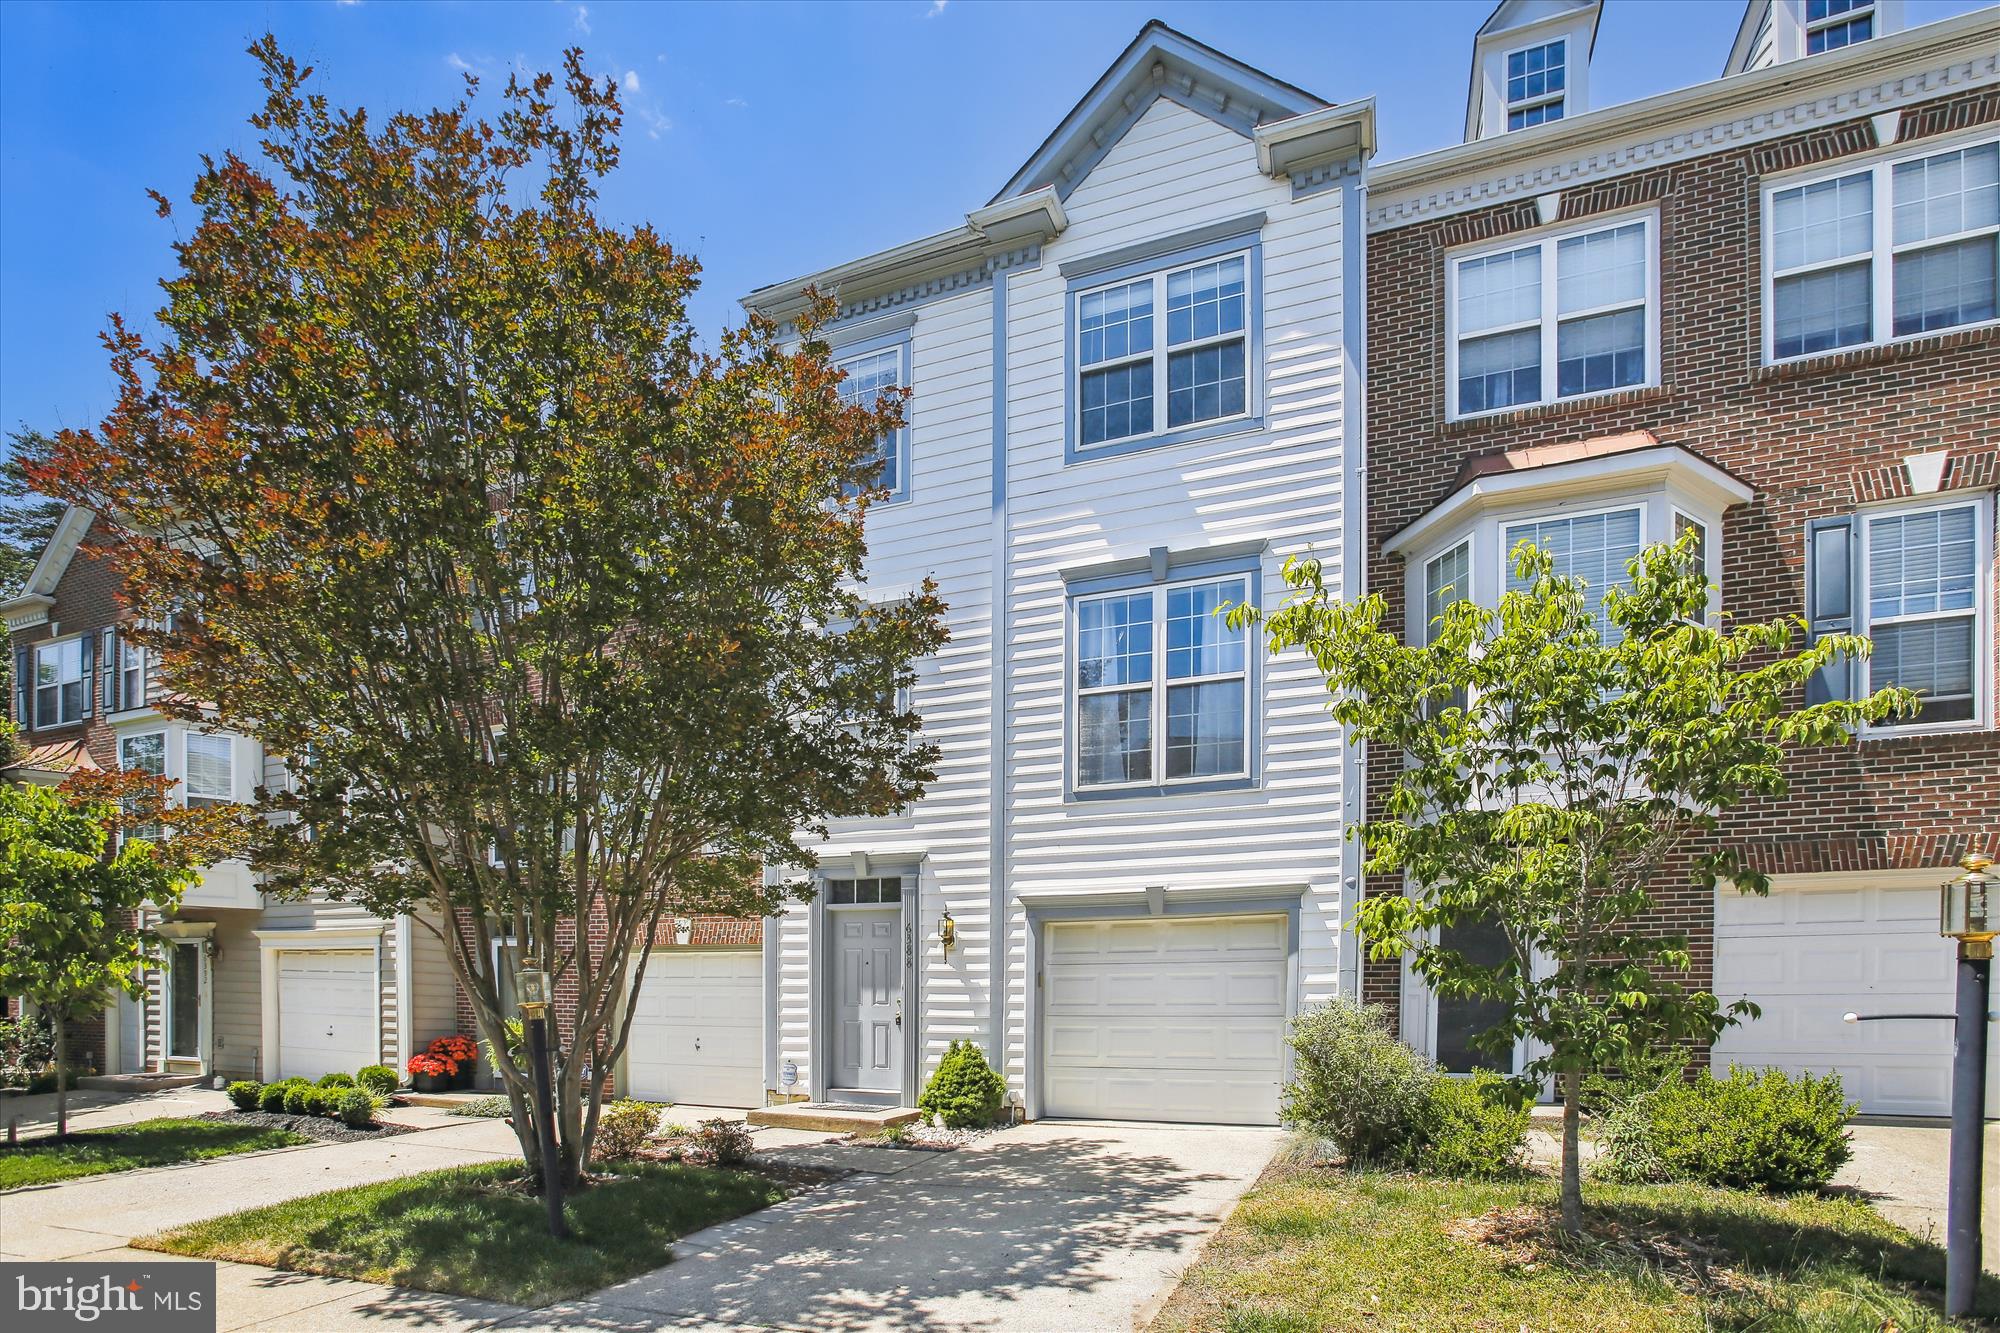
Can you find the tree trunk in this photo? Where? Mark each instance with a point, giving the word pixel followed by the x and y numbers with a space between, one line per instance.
pixel 62 1074
pixel 1572 1166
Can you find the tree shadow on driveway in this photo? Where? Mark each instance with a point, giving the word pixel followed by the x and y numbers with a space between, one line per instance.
pixel 1071 1230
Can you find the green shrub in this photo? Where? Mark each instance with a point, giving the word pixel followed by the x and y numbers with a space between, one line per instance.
pixel 1477 1126
pixel 272 1097
pixel 1357 1086
pixel 295 1097
pixel 246 1094
pixel 354 1106
pixel 719 1143
pixel 623 1128
pixel 378 1079
pixel 335 1080
pixel 491 1108
pixel 964 1093
pixel 323 1101
pixel 1755 1129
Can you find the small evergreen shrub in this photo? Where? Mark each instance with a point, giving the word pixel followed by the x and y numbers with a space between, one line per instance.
pixel 246 1094
pixel 1755 1129
pixel 719 1143
pixel 964 1093
pixel 354 1107
pixel 295 1097
pixel 335 1080
pixel 1477 1127
pixel 272 1097
pixel 378 1079
pixel 320 1101
pixel 487 1108
pixel 623 1128
pixel 1355 1085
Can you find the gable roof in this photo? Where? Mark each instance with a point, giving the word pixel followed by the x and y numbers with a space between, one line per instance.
pixel 1160 62
pixel 29 606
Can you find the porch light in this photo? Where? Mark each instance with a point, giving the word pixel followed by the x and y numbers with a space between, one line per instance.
pixel 947 932
pixel 531 984
pixel 1966 911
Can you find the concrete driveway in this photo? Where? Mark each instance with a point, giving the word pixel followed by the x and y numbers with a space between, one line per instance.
pixel 1903 1167
pixel 1053 1226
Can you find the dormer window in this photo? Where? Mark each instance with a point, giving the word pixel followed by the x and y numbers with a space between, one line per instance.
pixel 1536 82
pixel 1832 24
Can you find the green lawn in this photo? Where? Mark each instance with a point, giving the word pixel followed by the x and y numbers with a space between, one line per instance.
pixel 468 1231
pixel 1320 1248
pixel 92 1152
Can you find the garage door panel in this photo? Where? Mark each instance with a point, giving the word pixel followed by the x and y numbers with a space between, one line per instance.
pixel 697 1031
pixel 326 1012
pixel 1165 1019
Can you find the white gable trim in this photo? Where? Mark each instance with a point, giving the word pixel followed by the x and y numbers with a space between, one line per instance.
pixel 31 605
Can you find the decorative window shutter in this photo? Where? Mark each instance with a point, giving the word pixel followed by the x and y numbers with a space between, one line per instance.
pixel 1833 590
pixel 89 650
pixel 108 668
pixel 24 688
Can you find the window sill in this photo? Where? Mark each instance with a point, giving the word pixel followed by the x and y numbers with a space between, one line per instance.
pixel 1874 354
pixel 1205 787
pixel 1638 393
pixel 1214 430
pixel 1922 730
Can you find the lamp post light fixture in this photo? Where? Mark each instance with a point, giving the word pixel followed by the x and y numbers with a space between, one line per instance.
pixel 1966 914
pixel 531 985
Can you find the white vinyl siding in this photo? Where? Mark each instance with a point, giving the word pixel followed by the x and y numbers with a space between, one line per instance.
pixel 1568 315
pixel 1934 219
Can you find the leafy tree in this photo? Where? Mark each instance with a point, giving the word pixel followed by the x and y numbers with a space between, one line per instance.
pixel 27 518
pixel 558 616
pixel 1565 759
pixel 69 909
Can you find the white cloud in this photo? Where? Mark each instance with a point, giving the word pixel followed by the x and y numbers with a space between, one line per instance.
pixel 632 80
pixel 656 124
pixel 583 19
pixel 734 101
pixel 937 8
pixel 458 62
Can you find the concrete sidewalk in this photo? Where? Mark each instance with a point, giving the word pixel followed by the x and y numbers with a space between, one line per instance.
pixel 1903 1167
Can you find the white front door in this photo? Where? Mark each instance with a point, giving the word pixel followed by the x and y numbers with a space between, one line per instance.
pixel 1165 1018
pixel 131 1034
pixel 326 1012
pixel 868 1006
pixel 697 1029
pixel 1823 946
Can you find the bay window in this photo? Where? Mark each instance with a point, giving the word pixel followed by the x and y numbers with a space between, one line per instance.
pixel 1903 247
pixel 1593 547
pixel 211 770
pixel 1161 686
pixel 1510 345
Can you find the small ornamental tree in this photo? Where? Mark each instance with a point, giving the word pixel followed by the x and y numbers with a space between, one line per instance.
pixel 556 617
pixel 1566 757
pixel 70 937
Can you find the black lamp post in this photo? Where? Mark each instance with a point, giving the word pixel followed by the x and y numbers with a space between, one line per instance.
pixel 1967 915
pixel 532 985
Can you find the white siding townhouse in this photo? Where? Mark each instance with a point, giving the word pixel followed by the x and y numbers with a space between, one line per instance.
pixel 1135 391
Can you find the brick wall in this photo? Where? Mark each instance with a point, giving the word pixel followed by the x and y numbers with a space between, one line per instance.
pixel 1814 438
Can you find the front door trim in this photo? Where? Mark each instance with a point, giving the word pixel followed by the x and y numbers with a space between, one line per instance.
pixel 824 962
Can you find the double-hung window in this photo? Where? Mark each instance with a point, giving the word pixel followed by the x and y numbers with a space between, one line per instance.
pixel 1164 352
pixel 1447 579
pixel 1162 686
pixel 1832 24
pixel 1593 547
pixel 1572 314
pixel 1898 249
pixel 1914 581
pixel 62 681
pixel 1536 79
pixel 870 375
pixel 211 770
pixel 144 752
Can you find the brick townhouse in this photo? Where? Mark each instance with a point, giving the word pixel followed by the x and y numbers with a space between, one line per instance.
pixel 1764 305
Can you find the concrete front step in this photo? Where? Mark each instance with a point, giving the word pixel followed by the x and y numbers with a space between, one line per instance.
pixel 834 1117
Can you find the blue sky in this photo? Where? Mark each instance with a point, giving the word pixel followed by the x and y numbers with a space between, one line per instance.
pixel 768 139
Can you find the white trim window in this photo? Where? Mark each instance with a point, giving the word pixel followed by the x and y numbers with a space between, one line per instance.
pixel 1447 579
pixel 1937 219
pixel 211 770
pixel 1132 383
pixel 1922 612
pixel 1600 334
pixel 146 752
pixel 1536 81
pixel 1162 686
pixel 869 376
pixel 131 673
pixel 1595 547
pixel 1832 24
pixel 62 682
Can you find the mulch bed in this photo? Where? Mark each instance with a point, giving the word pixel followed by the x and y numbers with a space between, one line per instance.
pixel 1531 1237
pixel 312 1126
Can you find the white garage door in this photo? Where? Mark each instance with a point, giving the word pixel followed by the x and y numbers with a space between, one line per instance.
pixel 326 1012
pixel 1164 1019
pixel 697 1034
pixel 1807 955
